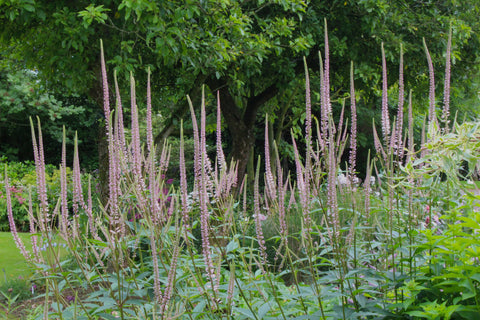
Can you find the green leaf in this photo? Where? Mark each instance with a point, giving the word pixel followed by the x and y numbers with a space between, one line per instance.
pixel 262 311
pixel 245 312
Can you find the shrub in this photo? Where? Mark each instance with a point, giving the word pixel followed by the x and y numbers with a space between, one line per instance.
pixel 22 177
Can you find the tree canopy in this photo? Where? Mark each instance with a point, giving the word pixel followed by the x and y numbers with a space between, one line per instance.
pixel 252 51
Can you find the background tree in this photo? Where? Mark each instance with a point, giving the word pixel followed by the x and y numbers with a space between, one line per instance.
pixel 251 51
pixel 22 97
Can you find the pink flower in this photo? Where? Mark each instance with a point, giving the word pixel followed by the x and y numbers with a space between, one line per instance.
pixel 262 217
pixel 427 208
pixel 427 221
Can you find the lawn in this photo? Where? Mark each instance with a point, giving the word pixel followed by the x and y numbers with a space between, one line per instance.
pixel 12 263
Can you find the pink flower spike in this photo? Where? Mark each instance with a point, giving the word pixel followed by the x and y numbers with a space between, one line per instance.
pixel 385 115
pixel 13 228
pixel 431 110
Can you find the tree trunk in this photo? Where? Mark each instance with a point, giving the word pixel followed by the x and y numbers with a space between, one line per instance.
pixel 241 125
pixel 96 94
pixel 181 110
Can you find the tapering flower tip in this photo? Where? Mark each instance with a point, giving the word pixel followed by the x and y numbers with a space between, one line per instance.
pixel 298 164
pixel 431 110
pixel 446 86
pixel 197 164
pixel 308 104
pixel 203 125
pixel 34 142
pixel 385 115
pixel 149 114
pixel 326 75
pixel 323 106
pixel 220 155
pixel 120 132
pixel 106 98
pixel 353 128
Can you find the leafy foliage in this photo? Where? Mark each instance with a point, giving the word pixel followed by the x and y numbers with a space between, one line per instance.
pixel 251 49
pixel 22 97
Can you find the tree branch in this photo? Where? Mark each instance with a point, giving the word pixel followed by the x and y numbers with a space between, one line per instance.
pixel 181 109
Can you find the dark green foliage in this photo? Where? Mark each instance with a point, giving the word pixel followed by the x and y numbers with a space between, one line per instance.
pixel 251 50
pixel 22 96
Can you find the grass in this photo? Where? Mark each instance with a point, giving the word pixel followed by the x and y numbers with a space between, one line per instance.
pixel 12 263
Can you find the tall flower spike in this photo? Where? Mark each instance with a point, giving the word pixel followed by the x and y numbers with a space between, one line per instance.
pixel 270 182
pixel 431 110
pixel 258 220
pixel 282 192
pixel 137 162
pixel 201 183
pixel 326 104
pixel 149 115
pixel 410 128
pixel 303 192
pixel 353 128
pixel 323 105
pixel 423 150
pixel 326 75
pixel 106 98
pixel 206 165
pixel 63 188
pixel 446 86
pixel 396 143
pixel 197 162
pixel 77 179
pixel 183 182
pixel 114 212
pixel 385 115
pixel 112 154
pixel 44 217
pixel 332 186
pixel 13 228
pixel 220 155
pixel 308 127
pixel 341 136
